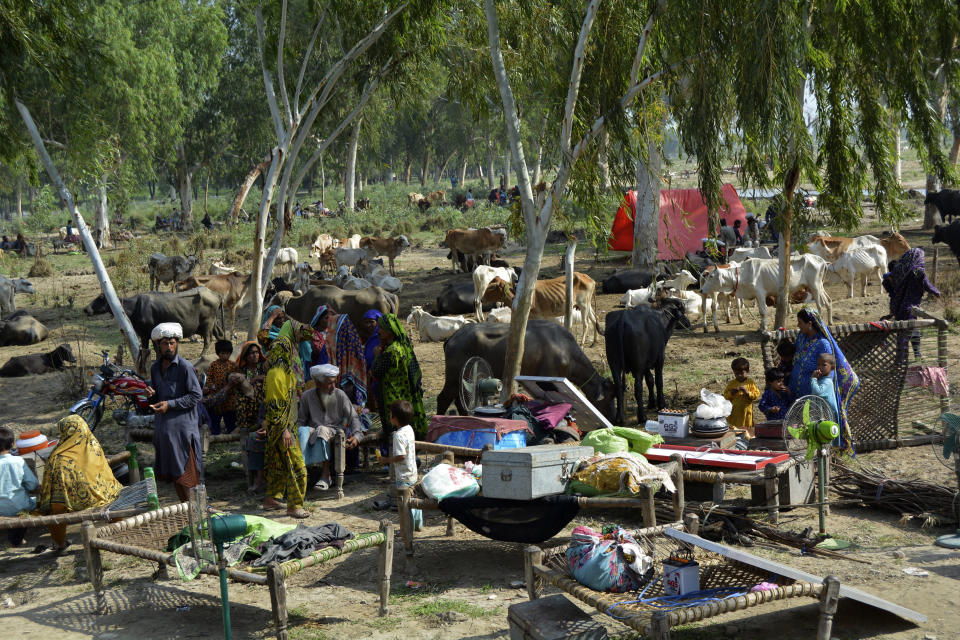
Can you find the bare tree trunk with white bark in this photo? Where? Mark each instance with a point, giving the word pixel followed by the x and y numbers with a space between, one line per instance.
pixel 349 180
pixel 646 222
pixel 101 214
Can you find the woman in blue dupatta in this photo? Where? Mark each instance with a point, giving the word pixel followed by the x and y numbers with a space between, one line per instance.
pixel 814 339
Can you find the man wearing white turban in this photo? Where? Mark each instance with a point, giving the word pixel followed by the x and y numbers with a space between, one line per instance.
pixel 176 394
pixel 323 412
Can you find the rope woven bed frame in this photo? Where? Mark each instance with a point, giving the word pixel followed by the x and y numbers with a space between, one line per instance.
pixel 145 536
pixel 550 566
pixel 875 411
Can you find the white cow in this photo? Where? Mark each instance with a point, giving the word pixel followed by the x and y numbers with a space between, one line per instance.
pixel 353 242
pixel 692 302
pixel 9 287
pixel 576 318
pixel 635 297
pixel 379 276
pixel 681 281
pixel 860 263
pixel 323 242
pixel 503 315
pixel 718 286
pixel 744 253
pixel 218 268
pixel 759 278
pixel 482 277
pixel 434 328
pixel 350 257
pixel 287 258
pixel 348 282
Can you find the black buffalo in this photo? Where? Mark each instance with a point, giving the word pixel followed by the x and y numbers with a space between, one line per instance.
pixel 636 341
pixel 37 363
pixel 949 234
pixel 947 202
pixel 623 281
pixel 353 303
pixel 196 310
pixel 458 298
pixel 549 350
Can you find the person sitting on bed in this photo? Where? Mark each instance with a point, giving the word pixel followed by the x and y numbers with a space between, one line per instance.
pixel 324 411
pixel 16 479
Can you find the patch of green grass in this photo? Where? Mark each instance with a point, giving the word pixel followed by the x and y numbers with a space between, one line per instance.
pixel 440 606
pixel 486 588
pixel 386 623
pixel 307 634
pixel 404 593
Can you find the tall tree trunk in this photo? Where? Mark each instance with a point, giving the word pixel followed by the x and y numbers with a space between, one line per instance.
pixel 206 192
pixel 955 149
pixel 463 172
pixel 785 220
pixel 351 165
pixel 930 212
pixel 425 170
pixel 537 162
pixel 19 197
pixel 152 186
pixel 257 285
pixel 507 173
pixel 443 166
pixel 491 165
pixel 646 222
pixel 407 167
pixel 899 151
pixel 244 189
pixel 604 164
pixel 323 182
pixel 571 255
pixel 185 186
pixel 101 214
pixel 480 171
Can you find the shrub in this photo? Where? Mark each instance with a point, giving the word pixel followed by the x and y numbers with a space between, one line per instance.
pixel 173 246
pixel 40 268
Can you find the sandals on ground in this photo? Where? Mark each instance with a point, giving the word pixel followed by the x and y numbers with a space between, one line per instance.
pixel 299 514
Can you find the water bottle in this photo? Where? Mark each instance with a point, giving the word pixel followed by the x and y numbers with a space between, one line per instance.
pixel 153 501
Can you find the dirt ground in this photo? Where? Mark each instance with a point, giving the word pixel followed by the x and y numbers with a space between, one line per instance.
pixel 464 584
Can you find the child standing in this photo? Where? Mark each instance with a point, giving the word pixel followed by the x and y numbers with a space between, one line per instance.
pixel 776 397
pixel 742 392
pixel 404 457
pixel 822 381
pixel 785 351
pixel 16 479
pixel 219 394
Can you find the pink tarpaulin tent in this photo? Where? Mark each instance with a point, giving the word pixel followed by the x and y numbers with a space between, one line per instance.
pixel 683 221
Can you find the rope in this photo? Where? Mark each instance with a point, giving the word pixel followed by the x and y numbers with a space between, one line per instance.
pixel 672 603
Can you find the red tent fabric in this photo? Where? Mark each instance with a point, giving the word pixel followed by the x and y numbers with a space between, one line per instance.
pixel 683 221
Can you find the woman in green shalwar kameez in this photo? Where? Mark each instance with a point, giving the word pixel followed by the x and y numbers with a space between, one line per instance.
pixel 398 374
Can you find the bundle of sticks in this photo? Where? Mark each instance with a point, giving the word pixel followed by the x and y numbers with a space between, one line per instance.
pixel 933 503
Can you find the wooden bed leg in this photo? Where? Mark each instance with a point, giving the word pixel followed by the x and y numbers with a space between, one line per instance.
pixel 451 527
pixel 829 598
pixel 449 458
pixel 385 564
pixel 340 461
pixel 533 556
pixel 771 486
pixel 278 599
pixel 94 565
pixel 691 523
pixel 406 522
pixel 679 497
pixel 718 489
pixel 647 507
pixel 659 626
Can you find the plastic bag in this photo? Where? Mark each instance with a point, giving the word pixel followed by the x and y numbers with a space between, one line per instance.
pixel 605 441
pixel 612 562
pixel 714 406
pixel 638 441
pixel 445 481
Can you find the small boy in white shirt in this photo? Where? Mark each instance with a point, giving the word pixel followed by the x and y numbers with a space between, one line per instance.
pixel 404 455
pixel 16 479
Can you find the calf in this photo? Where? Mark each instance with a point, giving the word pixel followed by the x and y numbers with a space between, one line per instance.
pixel 860 263
pixel 9 287
pixel 170 269
pixel 436 198
pixel 323 242
pixel 233 289
pixel 328 261
pixel 947 203
pixel 636 343
pixel 549 299
pixel 390 247
pixel 37 363
pixel 482 277
pixel 433 328
pixel 719 285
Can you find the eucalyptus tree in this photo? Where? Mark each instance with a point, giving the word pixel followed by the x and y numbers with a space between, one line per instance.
pixel 364 45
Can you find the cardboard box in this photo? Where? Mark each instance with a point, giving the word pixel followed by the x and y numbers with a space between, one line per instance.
pixel 674 423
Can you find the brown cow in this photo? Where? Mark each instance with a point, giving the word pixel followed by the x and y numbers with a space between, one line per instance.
pixel 831 247
pixel 390 247
pixel 233 288
pixel 549 299
pixel 436 198
pixel 481 243
pixel 328 261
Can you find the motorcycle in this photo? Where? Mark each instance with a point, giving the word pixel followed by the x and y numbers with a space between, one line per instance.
pixel 124 384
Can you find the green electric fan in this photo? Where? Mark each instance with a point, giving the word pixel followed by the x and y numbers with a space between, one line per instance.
pixel 950 433
pixel 811 420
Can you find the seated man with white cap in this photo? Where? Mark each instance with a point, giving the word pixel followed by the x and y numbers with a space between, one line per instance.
pixel 324 411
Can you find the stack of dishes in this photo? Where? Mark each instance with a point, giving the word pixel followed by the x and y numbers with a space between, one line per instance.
pixel 708 427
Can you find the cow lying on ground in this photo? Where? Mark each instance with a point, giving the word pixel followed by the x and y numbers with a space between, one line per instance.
pixel 233 288
pixel 8 288
pixel 170 269
pixel 624 281
pixel 744 253
pixel 549 350
pixel 348 282
pixel 21 329
pixel 37 363
pixel 549 300
pixel 389 247
pixel 376 274
pixel 636 343
pixel 434 328
pixel 218 268
pixel 353 303
pixel 947 203
pixel 197 311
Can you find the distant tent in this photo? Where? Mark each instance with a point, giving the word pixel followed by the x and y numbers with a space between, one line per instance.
pixel 683 221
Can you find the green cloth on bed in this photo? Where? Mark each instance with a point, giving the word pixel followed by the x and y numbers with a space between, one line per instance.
pixel 262 529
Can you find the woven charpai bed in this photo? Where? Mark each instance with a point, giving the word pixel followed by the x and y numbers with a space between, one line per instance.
pixel 145 536
pixel 550 566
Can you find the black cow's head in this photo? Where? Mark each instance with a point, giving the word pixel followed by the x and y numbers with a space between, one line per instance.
pixel 97 306
pixel 63 353
pixel 674 313
pixel 602 393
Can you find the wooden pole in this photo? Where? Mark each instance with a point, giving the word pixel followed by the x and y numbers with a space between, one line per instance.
pixel 533 556
pixel 278 599
pixel 829 599
pixel 385 564
pixel 340 460
pixel 66 201
pixel 679 497
pixel 94 565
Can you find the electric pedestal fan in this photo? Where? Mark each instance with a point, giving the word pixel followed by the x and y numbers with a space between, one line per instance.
pixel 949 445
pixel 478 387
pixel 812 423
